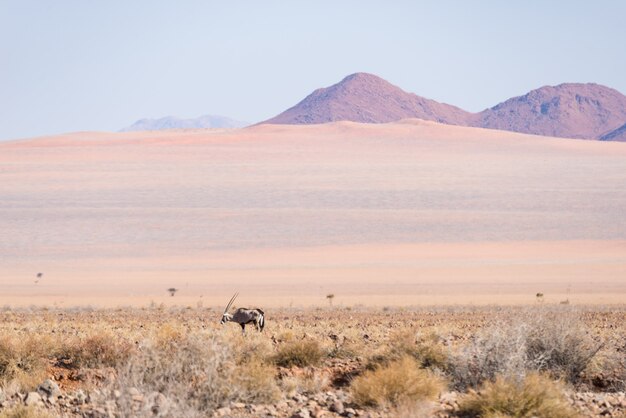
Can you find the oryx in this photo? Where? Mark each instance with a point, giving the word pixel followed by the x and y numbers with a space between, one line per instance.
pixel 244 316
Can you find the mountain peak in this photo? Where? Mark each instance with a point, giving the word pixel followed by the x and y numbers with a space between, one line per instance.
pixel 571 110
pixel 363 78
pixel 367 98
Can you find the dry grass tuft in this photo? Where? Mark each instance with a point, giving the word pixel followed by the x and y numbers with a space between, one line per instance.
pixel 300 353
pixel 100 349
pixel 21 411
pixel 23 361
pixel 535 396
pixel 310 382
pixel 400 382
pixel 426 349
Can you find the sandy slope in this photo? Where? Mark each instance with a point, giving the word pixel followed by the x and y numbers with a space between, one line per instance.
pixel 406 213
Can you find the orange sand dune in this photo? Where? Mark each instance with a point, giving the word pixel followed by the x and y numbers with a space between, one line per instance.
pixel 405 213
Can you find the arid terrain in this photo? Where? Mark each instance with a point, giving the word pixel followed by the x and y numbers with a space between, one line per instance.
pixel 406 269
pixel 403 214
pixel 543 360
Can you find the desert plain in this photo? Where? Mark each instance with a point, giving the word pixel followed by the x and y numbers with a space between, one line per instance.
pixel 399 214
pixel 433 240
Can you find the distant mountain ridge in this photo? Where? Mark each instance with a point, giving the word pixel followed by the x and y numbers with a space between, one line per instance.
pixel 571 110
pixel 172 122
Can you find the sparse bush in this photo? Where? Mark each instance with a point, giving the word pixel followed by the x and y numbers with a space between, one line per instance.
pixel 427 350
pixel 310 383
pixel 346 346
pixel 534 396
pixel 540 339
pixel 254 348
pixel 299 353
pixel 196 375
pixel 96 350
pixel 397 383
pixel 608 371
pixel 169 334
pixel 22 361
pixel 256 381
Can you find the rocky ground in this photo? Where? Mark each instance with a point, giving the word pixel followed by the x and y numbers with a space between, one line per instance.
pixel 69 388
pixel 334 401
pixel 330 403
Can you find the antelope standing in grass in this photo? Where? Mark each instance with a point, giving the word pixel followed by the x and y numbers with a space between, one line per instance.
pixel 244 316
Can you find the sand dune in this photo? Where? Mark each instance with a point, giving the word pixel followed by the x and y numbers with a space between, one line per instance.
pixel 410 212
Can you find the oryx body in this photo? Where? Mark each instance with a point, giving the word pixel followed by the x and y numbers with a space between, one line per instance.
pixel 244 316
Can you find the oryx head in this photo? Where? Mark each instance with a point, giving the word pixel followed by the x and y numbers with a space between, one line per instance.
pixel 226 316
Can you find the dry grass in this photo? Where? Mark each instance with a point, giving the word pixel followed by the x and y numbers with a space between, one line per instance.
pixel 193 366
pixel 426 348
pixel 21 411
pixel 535 396
pixel 23 362
pixel 300 353
pixel 100 349
pixel 548 339
pixel 196 374
pixel 310 382
pixel 399 382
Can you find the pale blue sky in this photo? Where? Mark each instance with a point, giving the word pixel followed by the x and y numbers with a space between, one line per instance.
pixel 71 65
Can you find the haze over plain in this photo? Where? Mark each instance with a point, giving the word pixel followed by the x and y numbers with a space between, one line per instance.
pixel 408 212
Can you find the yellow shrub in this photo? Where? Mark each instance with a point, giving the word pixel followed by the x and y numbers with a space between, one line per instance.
pixel 299 353
pixel 535 396
pixel 399 382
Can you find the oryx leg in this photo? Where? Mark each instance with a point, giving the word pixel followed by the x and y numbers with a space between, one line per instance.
pixel 243 328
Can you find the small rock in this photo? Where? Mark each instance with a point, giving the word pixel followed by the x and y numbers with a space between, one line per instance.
pixel 317 412
pixel 49 388
pixel 222 412
pixel 337 407
pixel 238 405
pixel 302 413
pixel 33 398
pixel 133 391
pixel 80 397
pixel 349 412
pixel 117 394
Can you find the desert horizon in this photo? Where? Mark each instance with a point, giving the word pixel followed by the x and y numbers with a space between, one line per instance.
pixel 405 213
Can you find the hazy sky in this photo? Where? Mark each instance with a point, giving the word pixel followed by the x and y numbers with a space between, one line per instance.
pixel 100 65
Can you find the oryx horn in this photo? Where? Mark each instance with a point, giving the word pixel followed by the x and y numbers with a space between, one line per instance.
pixel 231 302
